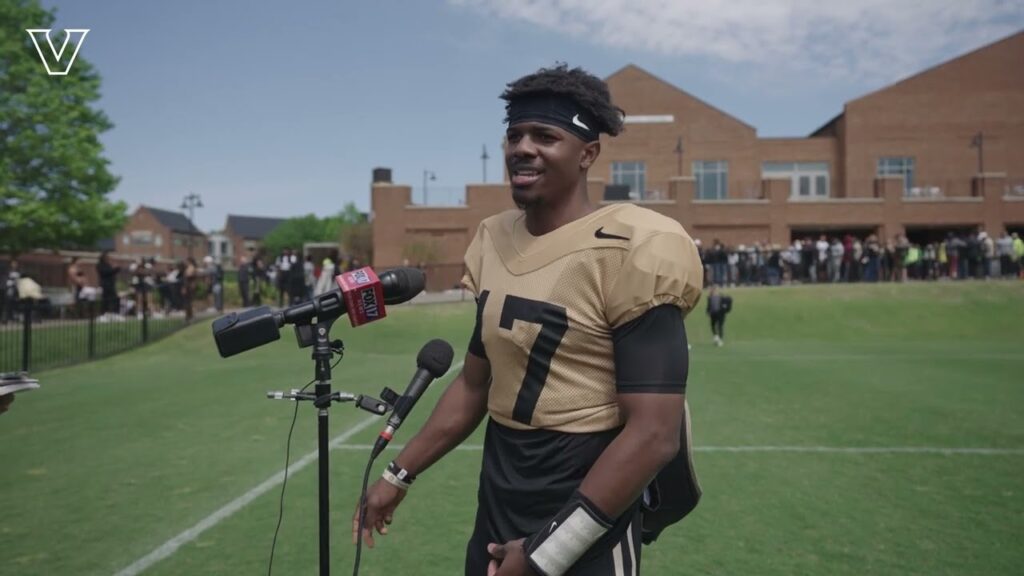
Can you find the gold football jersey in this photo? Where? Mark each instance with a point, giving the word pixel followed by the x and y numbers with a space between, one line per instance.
pixel 550 304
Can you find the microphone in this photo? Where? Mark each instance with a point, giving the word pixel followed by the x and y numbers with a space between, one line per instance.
pixel 432 362
pixel 360 291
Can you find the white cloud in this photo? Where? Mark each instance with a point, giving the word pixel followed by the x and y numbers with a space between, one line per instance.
pixel 856 39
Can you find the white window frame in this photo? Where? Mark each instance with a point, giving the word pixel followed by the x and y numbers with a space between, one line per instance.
pixel 815 174
pixel 905 166
pixel 720 168
pixel 632 173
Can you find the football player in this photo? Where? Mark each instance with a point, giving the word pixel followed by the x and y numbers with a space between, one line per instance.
pixel 578 356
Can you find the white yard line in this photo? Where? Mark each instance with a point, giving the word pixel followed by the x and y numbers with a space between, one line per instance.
pixel 171 546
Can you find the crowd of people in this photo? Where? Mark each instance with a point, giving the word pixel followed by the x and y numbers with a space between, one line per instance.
pixel 178 288
pixel 850 259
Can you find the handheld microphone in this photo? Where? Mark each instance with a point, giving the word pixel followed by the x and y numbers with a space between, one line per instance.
pixel 432 362
pixel 238 332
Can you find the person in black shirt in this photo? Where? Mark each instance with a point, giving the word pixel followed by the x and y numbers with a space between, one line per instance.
pixel 718 306
pixel 108 282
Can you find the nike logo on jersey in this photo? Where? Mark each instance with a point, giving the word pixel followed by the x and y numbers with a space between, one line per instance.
pixel 600 233
pixel 553 526
pixel 576 120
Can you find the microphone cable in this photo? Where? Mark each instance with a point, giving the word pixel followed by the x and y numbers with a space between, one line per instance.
pixel 284 483
pixel 362 514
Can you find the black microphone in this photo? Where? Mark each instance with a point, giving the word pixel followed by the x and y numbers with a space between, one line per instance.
pixel 432 362
pixel 238 332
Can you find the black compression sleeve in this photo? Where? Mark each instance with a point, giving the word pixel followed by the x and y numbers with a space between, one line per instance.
pixel 651 354
pixel 476 344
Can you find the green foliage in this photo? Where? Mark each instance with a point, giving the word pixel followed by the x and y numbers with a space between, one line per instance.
pixel 54 180
pixel 295 232
pixel 357 241
pixel 421 251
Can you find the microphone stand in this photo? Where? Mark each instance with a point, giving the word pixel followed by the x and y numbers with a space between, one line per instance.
pixel 318 335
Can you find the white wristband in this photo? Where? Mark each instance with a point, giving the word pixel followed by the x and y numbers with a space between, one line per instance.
pixel 395 481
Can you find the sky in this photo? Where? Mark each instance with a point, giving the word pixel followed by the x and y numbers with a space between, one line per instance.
pixel 282 109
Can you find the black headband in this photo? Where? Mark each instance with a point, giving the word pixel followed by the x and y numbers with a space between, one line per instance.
pixel 557 110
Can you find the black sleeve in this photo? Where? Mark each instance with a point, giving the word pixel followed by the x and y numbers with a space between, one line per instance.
pixel 476 344
pixel 651 354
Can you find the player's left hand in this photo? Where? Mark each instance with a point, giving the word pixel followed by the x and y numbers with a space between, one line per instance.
pixel 509 559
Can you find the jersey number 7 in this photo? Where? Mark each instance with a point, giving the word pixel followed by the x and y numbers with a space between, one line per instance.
pixel 553 324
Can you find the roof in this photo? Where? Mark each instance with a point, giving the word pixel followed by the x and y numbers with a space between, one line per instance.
pixel 634 67
pixel 1015 37
pixel 254 227
pixel 176 221
pixel 828 128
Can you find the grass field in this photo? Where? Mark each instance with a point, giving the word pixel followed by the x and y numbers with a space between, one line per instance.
pixel 841 430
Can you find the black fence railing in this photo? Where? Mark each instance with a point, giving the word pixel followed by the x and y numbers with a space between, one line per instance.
pixel 36 335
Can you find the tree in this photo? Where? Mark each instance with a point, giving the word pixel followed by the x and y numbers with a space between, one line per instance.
pixel 295 232
pixel 357 241
pixel 54 180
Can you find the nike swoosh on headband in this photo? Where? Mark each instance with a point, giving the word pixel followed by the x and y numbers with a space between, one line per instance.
pixel 576 121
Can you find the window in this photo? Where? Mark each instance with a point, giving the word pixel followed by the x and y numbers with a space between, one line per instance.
pixel 898 166
pixel 807 179
pixel 712 178
pixel 632 174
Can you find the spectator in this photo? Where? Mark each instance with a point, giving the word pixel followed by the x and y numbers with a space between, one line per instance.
pixel 821 249
pixel 835 260
pixel 856 269
pixel 259 278
pixel 718 306
pixel 189 272
pixel 872 259
pixel 326 281
pixel 901 247
pixel 244 272
pixel 76 279
pixel 140 273
pixel 108 283
pixel 1004 250
pixel 808 261
pixel 283 276
pixel 309 276
pixel 11 292
pixel 929 257
pixel 991 262
pixel 732 262
pixel 215 274
pixel 1018 254
pixel 959 258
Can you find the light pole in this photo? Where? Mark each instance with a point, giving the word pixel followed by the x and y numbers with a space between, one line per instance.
pixel 190 203
pixel 679 156
pixel 979 142
pixel 483 158
pixel 427 174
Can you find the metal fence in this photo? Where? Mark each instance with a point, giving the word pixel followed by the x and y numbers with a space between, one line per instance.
pixel 37 335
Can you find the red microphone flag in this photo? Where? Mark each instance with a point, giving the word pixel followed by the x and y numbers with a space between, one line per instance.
pixel 364 295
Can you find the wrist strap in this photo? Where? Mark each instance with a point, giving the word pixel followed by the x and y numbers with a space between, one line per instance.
pixel 397 476
pixel 394 481
pixel 566 537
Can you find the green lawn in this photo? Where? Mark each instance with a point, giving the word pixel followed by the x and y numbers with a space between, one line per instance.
pixel 113 458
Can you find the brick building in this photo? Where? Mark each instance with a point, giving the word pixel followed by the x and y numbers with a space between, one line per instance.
pixel 245 235
pixel 940 151
pixel 161 234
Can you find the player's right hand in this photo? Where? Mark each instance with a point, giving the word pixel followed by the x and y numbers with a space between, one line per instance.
pixel 381 500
